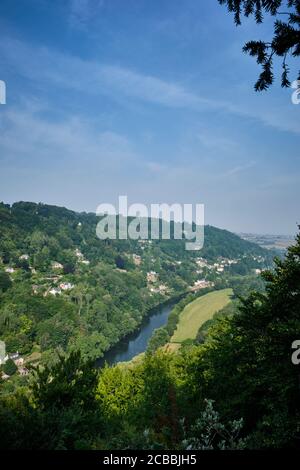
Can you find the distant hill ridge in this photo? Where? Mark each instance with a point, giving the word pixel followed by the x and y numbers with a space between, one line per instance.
pixel 29 216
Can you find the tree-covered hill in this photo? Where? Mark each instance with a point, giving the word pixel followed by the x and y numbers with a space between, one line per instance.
pixel 239 389
pixel 63 288
pixel 71 229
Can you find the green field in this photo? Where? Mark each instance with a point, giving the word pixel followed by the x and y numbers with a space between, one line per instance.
pixel 198 312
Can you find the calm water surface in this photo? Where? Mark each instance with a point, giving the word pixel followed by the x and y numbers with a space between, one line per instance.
pixel 136 343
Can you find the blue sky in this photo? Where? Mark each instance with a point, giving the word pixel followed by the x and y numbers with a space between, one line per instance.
pixel 148 98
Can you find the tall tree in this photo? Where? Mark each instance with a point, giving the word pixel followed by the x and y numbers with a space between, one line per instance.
pixel 246 363
pixel 65 397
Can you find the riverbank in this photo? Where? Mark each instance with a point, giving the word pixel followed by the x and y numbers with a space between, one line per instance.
pixel 136 342
pixel 191 317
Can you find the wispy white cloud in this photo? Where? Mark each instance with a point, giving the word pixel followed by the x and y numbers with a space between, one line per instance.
pixel 72 159
pixel 54 69
pixel 28 137
pixel 238 169
pixel 211 140
pixel 96 78
pixel 151 89
pixel 82 11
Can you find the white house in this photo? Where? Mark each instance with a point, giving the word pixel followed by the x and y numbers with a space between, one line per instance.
pixel 78 253
pixel 14 355
pixel 35 289
pixel 201 284
pixel 9 270
pixel 56 265
pixel 163 288
pixel 55 291
pixel 19 361
pixel 66 286
pixel 23 371
pixel 151 276
pixel 137 259
pixel 201 262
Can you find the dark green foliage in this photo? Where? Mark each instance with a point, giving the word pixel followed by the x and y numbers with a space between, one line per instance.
pixel 105 303
pixel 19 424
pixel 249 359
pixel 159 407
pixel 286 39
pixel 243 285
pixel 70 382
pixel 228 311
pixel 69 268
pixel 5 282
pixel 61 413
pixel 161 402
pixel 120 263
pixel 223 243
pixel 158 402
pixel 159 338
pixel 9 367
pixel 23 264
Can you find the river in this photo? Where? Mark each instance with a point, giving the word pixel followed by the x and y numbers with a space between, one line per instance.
pixel 136 342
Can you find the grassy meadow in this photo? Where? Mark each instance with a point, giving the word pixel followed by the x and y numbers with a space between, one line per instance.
pixel 198 312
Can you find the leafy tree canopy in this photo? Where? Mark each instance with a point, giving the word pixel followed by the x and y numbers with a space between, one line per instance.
pixel 9 367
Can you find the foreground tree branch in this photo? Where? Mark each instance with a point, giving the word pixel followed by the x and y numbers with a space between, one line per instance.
pixel 285 42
